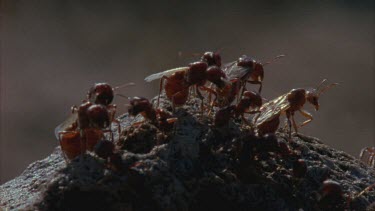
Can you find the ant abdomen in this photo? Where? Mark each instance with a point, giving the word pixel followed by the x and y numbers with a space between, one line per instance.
pixel 83 118
pixel 197 73
pixel 215 75
pixel 98 116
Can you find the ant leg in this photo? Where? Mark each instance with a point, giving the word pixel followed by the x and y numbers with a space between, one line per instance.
pixel 307 115
pixel 110 132
pixel 209 94
pixel 160 89
pixel 257 82
pixel 83 142
pixel 365 191
pixel 210 91
pixel 242 90
pixel 294 124
pixel 371 160
pixel 74 109
pixel 288 115
pixel 364 154
pixel 118 126
pixel 200 96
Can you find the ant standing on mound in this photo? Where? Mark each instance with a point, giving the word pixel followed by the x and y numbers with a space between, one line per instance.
pixel 158 117
pixel 250 100
pixel 268 119
pixel 247 70
pixel 179 80
pixel 89 121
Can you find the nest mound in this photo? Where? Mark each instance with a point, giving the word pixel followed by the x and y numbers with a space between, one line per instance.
pixel 194 167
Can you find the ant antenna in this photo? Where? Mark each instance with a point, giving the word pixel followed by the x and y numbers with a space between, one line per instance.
pixel 274 59
pixel 327 88
pixel 124 96
pixel 124 85
pixel 321 83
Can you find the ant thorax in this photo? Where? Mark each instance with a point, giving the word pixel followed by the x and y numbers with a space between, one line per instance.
pixel 296 98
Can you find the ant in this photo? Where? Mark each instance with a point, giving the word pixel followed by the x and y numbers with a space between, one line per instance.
pixel 268 119
pixel 103 94
pixel 158 117
pixel 367 156
pixel 247 70
pixel 83 129
pixel 88 122
pixel 179 80
pixel 250 100
pixel 332 196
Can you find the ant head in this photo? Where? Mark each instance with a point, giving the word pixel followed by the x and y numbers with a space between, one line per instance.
pixel 98 116
pixel 212 58
pixel 313 95
pixel 138 105
pixel 255 98
pixel 258 71
pixel 215 75
pixel 246 61
pixel 313 98
pixel 101 93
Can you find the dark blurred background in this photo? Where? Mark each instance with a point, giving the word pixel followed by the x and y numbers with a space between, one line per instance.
pixel 53 51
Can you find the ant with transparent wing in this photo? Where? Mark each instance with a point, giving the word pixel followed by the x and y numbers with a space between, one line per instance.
pixel 247 70
pixel 268 119
pixel 179 80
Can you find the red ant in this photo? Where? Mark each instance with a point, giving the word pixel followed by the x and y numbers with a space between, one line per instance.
pixel 250 100
pixel 88 122
pixel 83 129
pixel 103 94
pixel 179 80
pixel 247 70
pixel 268 119
pixel 160 118
pixel 332 196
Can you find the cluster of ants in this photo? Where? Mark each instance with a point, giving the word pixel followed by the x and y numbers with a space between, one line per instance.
pixel 86 127
pixel 228 97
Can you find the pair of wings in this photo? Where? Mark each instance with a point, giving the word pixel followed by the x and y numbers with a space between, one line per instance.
pixel 231 70
pixel 271 109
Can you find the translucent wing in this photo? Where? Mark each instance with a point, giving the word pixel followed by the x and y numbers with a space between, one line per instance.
pixel 164 73
pixel 66 124
pixel 271 109
pixel 233 71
